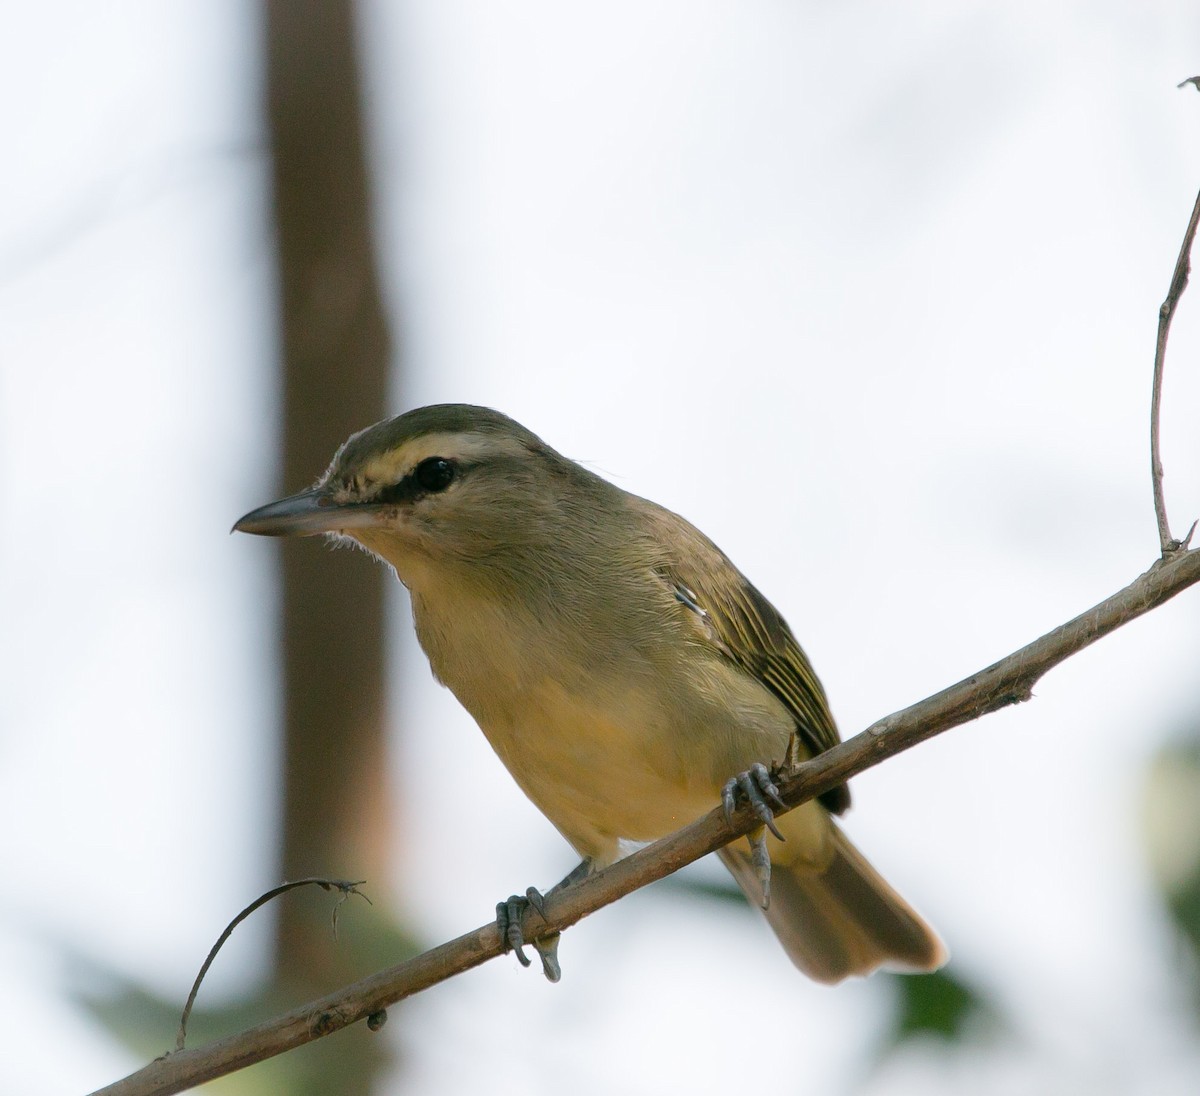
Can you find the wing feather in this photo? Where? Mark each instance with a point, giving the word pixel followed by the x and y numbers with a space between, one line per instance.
pixel 750 632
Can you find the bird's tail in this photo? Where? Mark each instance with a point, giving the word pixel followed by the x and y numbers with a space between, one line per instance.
pixel 834 914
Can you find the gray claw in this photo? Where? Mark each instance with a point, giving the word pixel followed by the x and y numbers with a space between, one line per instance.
pixel 508 921
pixel 535 898
pixel 728 801
pixel 547 948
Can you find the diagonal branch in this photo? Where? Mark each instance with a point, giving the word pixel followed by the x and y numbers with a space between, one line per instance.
pixel 1008 681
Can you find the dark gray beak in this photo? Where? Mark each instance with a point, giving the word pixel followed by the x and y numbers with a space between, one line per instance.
pixel 307 514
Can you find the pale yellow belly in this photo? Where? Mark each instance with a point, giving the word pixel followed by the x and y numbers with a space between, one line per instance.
pixel 630 746
pixel 628 765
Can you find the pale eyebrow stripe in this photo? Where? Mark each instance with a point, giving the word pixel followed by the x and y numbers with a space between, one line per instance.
pixel 393 466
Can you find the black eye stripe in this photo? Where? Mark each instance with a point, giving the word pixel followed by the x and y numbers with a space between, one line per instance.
pixel 430 477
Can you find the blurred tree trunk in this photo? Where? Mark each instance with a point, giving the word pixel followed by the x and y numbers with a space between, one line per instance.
pixel 335 355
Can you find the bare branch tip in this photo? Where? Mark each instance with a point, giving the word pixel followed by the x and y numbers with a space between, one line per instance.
pixel 1173 548
pixel 791 756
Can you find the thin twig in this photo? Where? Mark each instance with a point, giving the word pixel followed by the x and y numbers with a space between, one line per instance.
pixel 1008 681
pixel 347 888
pixel 1166 313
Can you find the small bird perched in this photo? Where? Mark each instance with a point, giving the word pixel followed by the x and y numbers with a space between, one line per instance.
pixel 627 674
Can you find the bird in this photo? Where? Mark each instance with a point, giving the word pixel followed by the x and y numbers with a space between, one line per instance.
pixel 626 673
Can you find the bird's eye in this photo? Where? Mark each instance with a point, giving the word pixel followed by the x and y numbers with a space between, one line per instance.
pixel 434 474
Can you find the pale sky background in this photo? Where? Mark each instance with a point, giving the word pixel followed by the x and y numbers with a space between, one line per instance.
pixel 866 290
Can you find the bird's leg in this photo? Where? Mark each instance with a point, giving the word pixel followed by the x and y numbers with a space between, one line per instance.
pixel 510 912
pixel 756 787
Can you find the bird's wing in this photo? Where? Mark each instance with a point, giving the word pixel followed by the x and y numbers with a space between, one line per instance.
pixel 746 627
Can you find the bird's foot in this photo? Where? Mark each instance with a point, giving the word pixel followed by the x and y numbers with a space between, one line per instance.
pixel 756 786
pixel 510 913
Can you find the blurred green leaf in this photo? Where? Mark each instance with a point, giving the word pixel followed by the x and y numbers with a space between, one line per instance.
pixel 1171 829
pixel 938 1006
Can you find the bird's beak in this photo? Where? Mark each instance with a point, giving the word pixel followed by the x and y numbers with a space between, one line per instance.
pixel 308 514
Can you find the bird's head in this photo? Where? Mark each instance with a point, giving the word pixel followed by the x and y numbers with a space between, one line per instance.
pixel 445 483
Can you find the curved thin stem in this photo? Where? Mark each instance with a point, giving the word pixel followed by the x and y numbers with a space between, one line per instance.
pixel 1166 313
